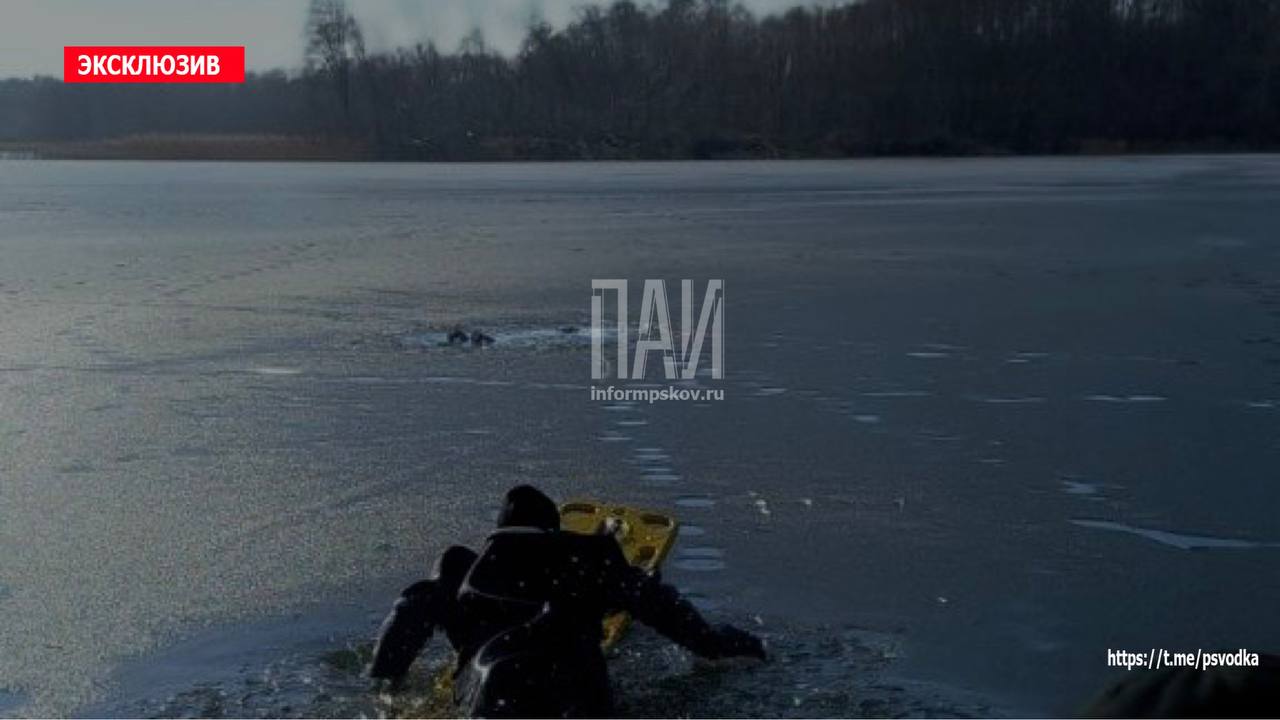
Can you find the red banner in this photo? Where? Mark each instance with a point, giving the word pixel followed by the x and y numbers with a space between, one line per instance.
pixel 219 64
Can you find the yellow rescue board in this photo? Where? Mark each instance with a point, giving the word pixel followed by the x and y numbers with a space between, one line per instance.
pixel 646 537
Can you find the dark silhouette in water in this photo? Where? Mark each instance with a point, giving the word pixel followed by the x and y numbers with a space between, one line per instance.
pixel 457 336
pixel 477 338
pixel 525 615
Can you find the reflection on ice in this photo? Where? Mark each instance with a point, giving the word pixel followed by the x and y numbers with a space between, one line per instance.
pixel 1125 398
pixel 275 371
pixel 1082 489
pixel 1177 540
pixel 700 559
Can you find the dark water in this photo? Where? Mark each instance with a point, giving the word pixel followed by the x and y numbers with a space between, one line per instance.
pixel 813 671
pixel 984 420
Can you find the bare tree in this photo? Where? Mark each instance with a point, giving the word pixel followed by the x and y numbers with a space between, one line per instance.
pixel 334 45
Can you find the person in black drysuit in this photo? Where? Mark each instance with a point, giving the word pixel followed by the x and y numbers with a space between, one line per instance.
pixel 524 617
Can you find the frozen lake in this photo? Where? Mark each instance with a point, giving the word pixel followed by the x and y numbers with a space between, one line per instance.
pixel 984 419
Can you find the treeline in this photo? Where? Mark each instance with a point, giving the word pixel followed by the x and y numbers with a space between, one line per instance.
pixel 704 78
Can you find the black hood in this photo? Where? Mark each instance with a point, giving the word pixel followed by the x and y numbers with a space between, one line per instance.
pixel 527 506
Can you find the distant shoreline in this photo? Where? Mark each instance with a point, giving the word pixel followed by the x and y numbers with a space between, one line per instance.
pixel 291 148
pixel 189 147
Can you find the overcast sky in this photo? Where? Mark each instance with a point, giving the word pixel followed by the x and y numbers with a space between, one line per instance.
pixel 32 32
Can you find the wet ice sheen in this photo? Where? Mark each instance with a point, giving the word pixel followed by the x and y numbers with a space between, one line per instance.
pixel 1177 540
pixel 1082 489
pixel 1125 399
pixel 700 559
pixel 275 371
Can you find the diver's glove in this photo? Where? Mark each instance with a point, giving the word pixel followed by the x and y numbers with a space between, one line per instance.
pixel 732 642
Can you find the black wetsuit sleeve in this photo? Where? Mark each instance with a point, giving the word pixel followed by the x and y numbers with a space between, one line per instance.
pixel 657 604
pixel 661 607
pixel 405 631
